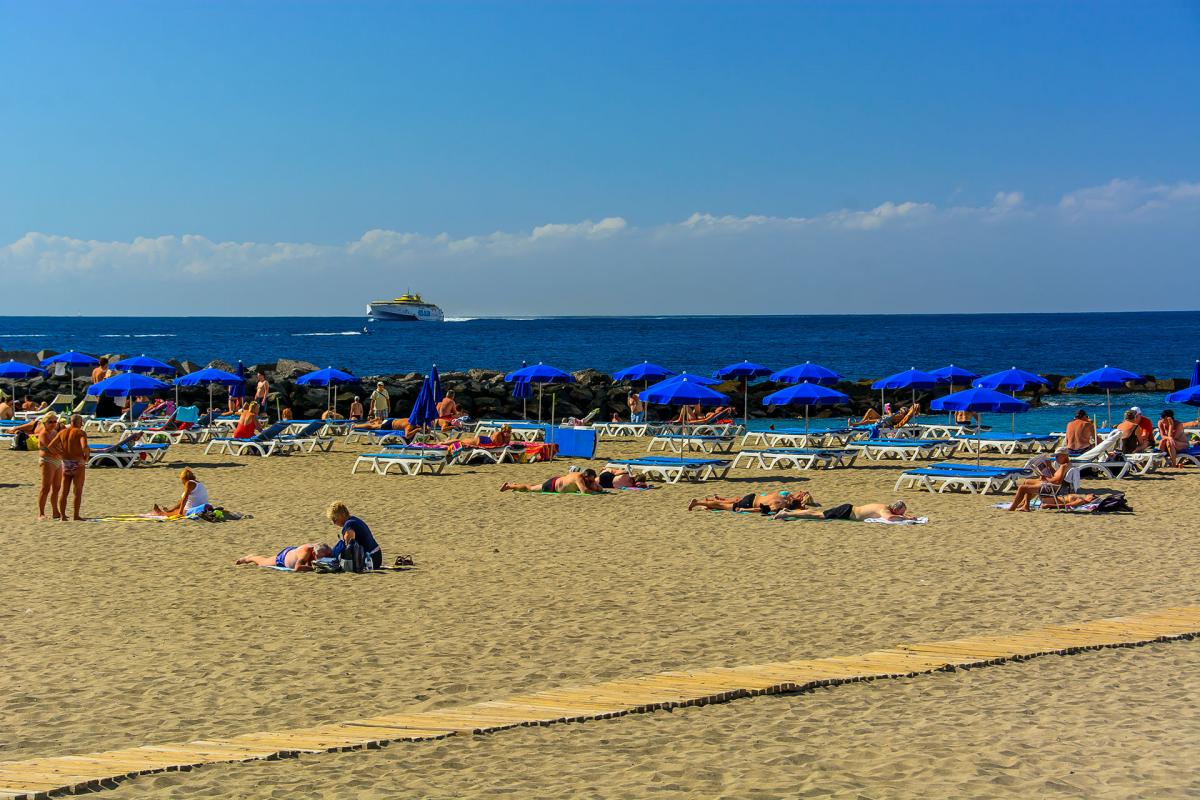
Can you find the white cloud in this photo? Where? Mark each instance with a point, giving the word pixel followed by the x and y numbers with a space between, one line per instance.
pixel 491 272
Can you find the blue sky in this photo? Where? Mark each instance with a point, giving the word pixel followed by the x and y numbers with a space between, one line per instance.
pixel 274 136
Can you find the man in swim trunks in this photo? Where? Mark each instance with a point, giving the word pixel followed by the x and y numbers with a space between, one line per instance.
pixel 613 478
pixel 297 558
pixel 585 482
pixel 70 445
pixel 637 409
pixel 773 502
pixel 1081 433
pixel 448 411
pixel 893 512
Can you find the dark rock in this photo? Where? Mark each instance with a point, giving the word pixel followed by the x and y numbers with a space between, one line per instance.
pixel 288 369
pixel 222 365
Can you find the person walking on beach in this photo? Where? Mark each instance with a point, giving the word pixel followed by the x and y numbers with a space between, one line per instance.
pixel 1081 433
pixel 381 402
pixel 49 464
pixel 637 409
pixel 71 446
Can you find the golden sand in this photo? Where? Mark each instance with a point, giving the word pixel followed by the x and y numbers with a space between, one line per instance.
pixel 144 632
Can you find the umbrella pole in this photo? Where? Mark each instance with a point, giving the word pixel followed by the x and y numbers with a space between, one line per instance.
pixel 539 403
pixel 1109 420
pixel 745 402
pixel 805 423
pixel 950 414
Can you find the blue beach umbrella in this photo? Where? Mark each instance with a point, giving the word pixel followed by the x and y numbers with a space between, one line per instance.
pixel 682 391
pixel 1011 380
pixel 328 377
pixel 743 371
pixel 981 400
pixel 1196 374
pixel 1188 397
pixel 911 378
pixel 72 360
pixel 953 375
pixel 695 380
pixel 435 385
pixel 128 383
pixel 424 410
pixel 1106 378
pixel 210 377
pixel 540 374
pixel 143 365
pixel 642 372
pixel 16 371
pixel 806 394
pixel 807 372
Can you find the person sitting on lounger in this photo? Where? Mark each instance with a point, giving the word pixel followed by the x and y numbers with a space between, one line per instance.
pixel 1131 439
pixel 1081 433
pixel 1029 489
pixel 585 482
pixel 619 478
pixel 449 414
pixel 297 558
pixel 686 415
pixel 6 409
pixel 1174 436
pixel 892 512
pixel 967 419
pixel 500 438
pixel 356 410
pixel 247 424
pixel 770 503
pixel 871 417
pixel 193 500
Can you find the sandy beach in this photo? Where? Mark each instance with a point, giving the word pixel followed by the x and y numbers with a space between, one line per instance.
pixel 130 633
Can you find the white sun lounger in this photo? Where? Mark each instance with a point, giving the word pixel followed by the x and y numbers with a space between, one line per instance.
pixel 673 470
pixel 617 429
pixel 959 477
pixel 404 463
pixel 678 442
pixel 905 449
pixel 796 458
pixel 1007 443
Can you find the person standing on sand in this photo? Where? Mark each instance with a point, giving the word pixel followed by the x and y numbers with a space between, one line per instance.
pixel 50 466
pixel 71 445
pixel 356 410
pixel 261 390
pixel 637 409
pixel 381 402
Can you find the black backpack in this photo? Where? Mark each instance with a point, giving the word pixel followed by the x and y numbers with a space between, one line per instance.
pixel 354 558
pixel 1112 502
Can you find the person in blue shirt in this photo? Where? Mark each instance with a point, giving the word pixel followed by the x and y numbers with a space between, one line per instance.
pixel 353 530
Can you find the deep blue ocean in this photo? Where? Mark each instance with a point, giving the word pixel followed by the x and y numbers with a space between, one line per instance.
pixel 1163 344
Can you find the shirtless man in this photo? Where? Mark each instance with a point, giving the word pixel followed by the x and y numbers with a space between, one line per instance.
pixel 6 409
pixel 896 511
pixel 448 411
pixel 770 503
pixel 637 409
pixel 1029 489
pixel 584 482
pixel 297 558
pixel 1081 433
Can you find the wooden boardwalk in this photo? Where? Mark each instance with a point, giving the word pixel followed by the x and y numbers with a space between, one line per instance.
pixel 43 777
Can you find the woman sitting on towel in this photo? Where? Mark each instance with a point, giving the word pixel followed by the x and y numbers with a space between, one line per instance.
pixel 774 502
pixel 193 500
pixel 247 422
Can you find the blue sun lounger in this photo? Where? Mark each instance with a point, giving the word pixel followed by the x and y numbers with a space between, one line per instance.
pixel 673 470
pixel 125 453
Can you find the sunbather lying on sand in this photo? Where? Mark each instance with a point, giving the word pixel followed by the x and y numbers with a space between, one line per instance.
pixel 584 482
pixel 1067 500
pixel 616 478
pixel 783 500
pixel 297 558
pixel 887 511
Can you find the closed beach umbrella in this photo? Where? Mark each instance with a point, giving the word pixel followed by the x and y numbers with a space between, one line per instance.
pixel 126 384
pixel 435 385
pixel 210 377
pixel 807 372
pixel 980 400
pixel 14 371
pixel 744 371
pixel 952 375
pixel 424 410
pixel 806 394
pixel 911 378
pixel 540 374
pixel 143 365
pixel 1196 374
pixel 72 360
pixel 1106 378
pixel 328 377
pixel 682 391
pixel 522 391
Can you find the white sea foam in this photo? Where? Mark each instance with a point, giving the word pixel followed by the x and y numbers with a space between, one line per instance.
pixel 459 319
pixel 331 333
pixel 136 335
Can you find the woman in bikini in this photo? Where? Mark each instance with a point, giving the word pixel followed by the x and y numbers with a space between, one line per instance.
pixel 247 422
pixel 71 445
pixel 50 464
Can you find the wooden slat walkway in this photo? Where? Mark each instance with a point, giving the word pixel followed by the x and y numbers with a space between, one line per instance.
pixel 43 777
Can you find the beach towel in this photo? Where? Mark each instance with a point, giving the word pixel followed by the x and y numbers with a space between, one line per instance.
pixel 917 521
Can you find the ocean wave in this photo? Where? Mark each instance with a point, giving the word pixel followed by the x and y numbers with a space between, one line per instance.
pixel 136 335
pixel 459 319
pixel 21 336
pixel 331 333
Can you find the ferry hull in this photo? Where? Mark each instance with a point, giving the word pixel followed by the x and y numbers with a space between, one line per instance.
pixel 404 313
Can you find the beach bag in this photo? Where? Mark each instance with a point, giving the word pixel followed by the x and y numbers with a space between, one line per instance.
pixel 354 558
pixel 21 441
pixel 1114 502
pixel 326 565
